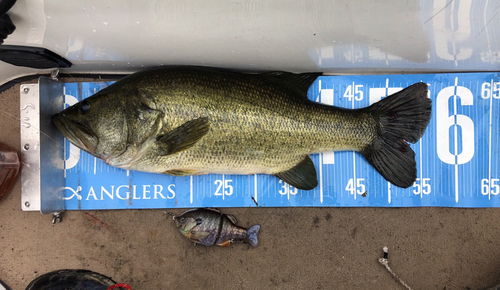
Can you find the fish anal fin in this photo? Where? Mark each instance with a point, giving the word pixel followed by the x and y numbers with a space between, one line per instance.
pixel 302 176
pixel 183 137
pixel 225 244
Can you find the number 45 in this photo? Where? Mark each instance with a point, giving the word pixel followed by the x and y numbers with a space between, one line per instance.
pixel 354 91
pixel 356 187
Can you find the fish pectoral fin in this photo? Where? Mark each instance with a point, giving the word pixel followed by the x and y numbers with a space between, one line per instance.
pixel 225 244
pixel 301 176
pixel 183 137
pixel 178 172
pixel 199 236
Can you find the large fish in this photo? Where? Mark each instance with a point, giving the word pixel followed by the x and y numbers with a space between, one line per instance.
pixel 193 120
pixel 210 227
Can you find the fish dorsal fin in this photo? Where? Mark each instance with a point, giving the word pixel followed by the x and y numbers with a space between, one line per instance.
pixel 298 82
pixel 183 137
pixel 302 175
pixel 213 209
pixel 232 218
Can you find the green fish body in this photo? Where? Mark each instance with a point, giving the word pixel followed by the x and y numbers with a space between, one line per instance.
pixel 192 120
pixel 210 227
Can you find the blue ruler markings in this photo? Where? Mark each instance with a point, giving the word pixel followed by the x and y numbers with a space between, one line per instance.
pixel 457 158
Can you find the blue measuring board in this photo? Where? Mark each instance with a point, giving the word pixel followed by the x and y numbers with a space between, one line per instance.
pixel 457 158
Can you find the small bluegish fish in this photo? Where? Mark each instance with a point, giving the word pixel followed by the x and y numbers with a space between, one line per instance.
pixel 210 227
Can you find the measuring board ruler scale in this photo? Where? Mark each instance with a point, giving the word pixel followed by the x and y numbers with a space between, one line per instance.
pixel 457 158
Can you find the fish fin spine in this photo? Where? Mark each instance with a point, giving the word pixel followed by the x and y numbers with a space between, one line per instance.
pixel 401 118
pixel 232 218
pixel 213 209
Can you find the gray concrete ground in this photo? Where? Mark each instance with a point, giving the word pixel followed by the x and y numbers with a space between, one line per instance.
pixel 299 248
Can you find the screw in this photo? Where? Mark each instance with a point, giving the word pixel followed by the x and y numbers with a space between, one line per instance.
pixel 26 90
pixel 27 204
pixel 56 217
pixel 54 74
pixel 26 146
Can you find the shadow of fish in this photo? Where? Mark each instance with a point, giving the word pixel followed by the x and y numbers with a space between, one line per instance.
pixel 192 120
pixel 210 227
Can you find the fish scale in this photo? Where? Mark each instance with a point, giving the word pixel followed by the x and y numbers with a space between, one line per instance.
pixel 274 130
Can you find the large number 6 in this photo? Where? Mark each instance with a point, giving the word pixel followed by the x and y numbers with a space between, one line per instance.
pixel 444 122
pixel 74 152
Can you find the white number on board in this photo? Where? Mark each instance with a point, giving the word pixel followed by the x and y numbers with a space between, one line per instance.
pixel 490 186
pixel 422 186
pixel 287 189
pixel 354 92
pixel 489 90
pixel 224 187
pixel 356 187
pixel 445 122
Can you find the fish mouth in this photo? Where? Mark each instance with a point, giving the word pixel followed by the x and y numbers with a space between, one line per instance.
pixel 76 132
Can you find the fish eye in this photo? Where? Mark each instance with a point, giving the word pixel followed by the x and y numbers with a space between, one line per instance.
pixel 84 107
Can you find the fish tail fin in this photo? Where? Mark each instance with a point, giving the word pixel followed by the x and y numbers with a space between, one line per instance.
pixel 252 233
pixel 402 117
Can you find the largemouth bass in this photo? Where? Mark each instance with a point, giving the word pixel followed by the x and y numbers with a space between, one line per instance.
pixel 194 120
pixel 210 227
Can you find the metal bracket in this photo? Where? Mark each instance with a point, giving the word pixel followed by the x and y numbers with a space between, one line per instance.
pixel 42 153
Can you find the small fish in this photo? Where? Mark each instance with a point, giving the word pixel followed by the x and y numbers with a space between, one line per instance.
pixel 210 227
pixel 191 120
